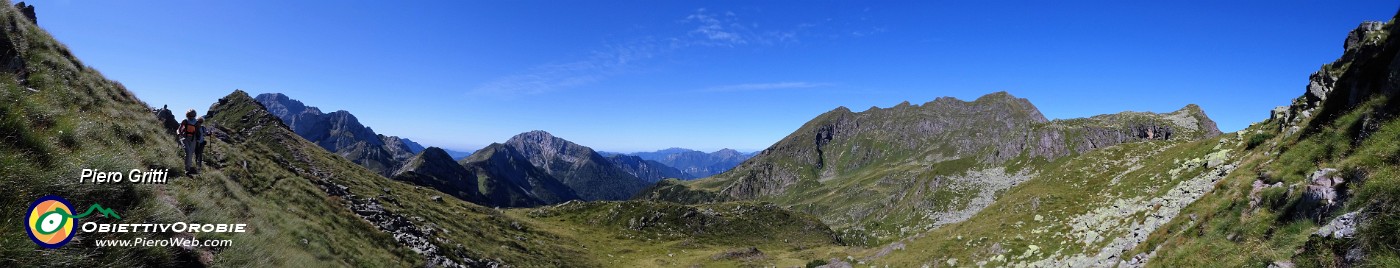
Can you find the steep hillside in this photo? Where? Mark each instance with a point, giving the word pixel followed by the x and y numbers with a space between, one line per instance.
pixel 340 132
pixel 1322 182
pixel 696 163
pixel 58 117
pixel 591 175
pixel 647 170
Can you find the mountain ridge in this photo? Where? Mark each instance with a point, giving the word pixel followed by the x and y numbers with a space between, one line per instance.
pixel 342 133
pixel 695 163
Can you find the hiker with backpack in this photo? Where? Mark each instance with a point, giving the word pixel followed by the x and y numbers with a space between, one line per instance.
pixel 189 133
pixel 200 141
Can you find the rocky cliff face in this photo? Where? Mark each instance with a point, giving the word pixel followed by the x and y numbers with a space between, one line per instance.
pixel 340 132
pixel 1367 68
pixel 591 175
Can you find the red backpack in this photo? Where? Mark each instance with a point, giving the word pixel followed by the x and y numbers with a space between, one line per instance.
pixel 187 129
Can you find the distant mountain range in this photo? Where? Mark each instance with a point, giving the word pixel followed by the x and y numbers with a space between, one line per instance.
pixel 531 169
pixel 695 164
pixel 647 170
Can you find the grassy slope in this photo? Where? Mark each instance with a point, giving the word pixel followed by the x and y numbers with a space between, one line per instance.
pixel 1041 211
pixel 663 234
pixel 1232 234
pixel 65 118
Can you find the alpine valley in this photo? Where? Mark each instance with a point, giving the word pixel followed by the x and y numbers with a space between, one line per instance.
pixel 949 182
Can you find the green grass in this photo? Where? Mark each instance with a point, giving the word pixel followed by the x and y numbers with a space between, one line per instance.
pixel 663 234
pixel 66 118
pixel 1038 212
pixel 1229 233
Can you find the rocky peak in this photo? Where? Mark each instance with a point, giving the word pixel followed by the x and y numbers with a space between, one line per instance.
pixel 1193 119
pixel 1012 103
pixel 436 153
pixel 238 113
pixel 281 105
pixel 534 137
pixel 588 173
pixel 1363 70
pixel 28 11
pixel 1367 32
pixel 727 153
pixel 544 149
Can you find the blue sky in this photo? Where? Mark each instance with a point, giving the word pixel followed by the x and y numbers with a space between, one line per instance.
pixel 647 75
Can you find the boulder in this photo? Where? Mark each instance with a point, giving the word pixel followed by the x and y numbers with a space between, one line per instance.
pixel 1341 227
pixel 1324 193
pixel 1320 84
pixel 1280 114
pixel 1258 188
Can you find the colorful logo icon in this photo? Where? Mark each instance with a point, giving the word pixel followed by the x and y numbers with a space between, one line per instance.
pixel 51 221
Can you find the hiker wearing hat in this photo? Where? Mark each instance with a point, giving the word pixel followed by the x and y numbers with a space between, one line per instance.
pixel 189 133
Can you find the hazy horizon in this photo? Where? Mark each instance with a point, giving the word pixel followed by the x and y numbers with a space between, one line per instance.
pixel 644 76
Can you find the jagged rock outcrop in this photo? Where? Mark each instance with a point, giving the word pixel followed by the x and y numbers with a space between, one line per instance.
pixel 28 11
pixel 14 45
pixel 647 170
pixel 1366 68
pixel 589 174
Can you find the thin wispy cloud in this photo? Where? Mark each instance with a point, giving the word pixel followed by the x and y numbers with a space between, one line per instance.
pixel 765 86
pixel 703 29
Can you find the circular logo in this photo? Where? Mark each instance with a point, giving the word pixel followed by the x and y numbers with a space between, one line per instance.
pixel 50 222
